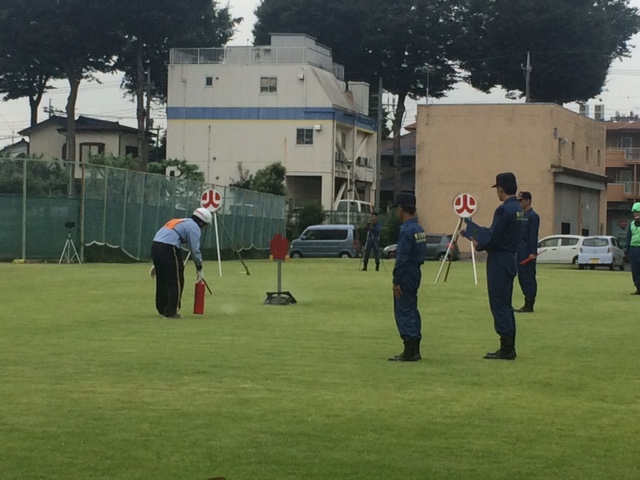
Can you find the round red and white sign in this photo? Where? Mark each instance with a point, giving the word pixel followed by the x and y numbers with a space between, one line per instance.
pixel 465 205
pixel 211 200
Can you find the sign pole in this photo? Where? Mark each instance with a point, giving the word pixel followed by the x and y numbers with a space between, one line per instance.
pixel 215 222
pixel 473 260
pixel 447 256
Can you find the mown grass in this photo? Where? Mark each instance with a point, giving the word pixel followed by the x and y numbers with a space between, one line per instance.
pixel 94 385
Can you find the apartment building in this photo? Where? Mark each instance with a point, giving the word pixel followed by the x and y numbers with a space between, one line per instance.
pixel 247 107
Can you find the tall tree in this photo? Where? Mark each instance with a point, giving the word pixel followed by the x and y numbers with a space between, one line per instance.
pixel 571 43
pixel 78 36
pixel 24 71
pixel 151 28
pixel 270 179
pixel 407 43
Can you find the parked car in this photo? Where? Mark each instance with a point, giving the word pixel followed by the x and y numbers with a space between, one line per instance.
pixel 437 245
pixel 327 241
pixel 622 243
pixel 601 251
pixel 559 249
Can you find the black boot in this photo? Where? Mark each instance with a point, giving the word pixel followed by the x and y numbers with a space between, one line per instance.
pixel 528 305
pixel 364 267
pixel 507 350
pixel 418 348
pixel 377 267
pixel 410 353
pixel 637 292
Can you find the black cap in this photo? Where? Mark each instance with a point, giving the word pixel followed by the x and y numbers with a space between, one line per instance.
pixel 507 181
pixel 405 200
pixel 524 196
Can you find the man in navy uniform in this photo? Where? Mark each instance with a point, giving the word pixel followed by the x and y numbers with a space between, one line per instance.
pixel 374 227
pixel 501 241
pixel 410 254
pixel 527 253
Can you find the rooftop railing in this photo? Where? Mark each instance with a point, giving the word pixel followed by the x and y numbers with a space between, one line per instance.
pixel 256 56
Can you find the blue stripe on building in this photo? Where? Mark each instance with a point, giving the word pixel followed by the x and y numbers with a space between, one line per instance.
pixel 270 113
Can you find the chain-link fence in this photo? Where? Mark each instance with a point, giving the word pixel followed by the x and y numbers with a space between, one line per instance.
pixel 118 208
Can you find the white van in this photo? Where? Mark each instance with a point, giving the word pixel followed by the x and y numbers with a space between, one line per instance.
pixel 354 206
pixel 559 249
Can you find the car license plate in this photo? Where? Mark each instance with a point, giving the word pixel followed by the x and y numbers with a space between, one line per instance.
pixel 594 260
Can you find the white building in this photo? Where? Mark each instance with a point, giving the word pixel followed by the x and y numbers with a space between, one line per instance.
pixel 287 102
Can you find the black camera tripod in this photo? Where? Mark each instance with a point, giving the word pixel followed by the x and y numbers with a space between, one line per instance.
pixel 69 246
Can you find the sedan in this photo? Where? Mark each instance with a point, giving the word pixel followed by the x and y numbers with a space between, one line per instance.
pixel 601 251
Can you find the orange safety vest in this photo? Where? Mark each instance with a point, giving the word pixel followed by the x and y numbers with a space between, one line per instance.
pixel 172 223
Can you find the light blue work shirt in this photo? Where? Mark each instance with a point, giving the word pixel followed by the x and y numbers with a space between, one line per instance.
pixel 179 232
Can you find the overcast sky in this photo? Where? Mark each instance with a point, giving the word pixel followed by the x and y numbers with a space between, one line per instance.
pixel 105 100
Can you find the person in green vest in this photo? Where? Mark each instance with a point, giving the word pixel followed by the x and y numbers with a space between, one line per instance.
pixel 633 247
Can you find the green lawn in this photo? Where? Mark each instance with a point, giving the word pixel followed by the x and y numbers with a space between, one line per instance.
pixel 95 385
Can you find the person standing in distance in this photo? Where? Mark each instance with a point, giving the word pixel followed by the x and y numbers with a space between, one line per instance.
pixel 633 247
pixel 410 255
pixel 527 253
pixel 374 227
pixel 168 267
pixel 501 241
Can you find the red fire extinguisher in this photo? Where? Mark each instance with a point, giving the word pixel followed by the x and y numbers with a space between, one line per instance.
pixel 198 298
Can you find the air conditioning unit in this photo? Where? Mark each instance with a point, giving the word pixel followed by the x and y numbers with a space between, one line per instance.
pixel 584 109
pixel 599 112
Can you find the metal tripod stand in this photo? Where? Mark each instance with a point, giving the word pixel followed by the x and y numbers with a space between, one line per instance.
pixel 69 246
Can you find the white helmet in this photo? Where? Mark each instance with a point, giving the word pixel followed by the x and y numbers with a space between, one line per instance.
pixel 203 214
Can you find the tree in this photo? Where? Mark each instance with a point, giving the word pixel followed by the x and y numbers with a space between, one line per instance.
pixel 24 71
pixel 188 171
pixel 150 29
pixel 79 36
pixel 244 179
pixel 270 179
pixel 571 42
pixel 405 43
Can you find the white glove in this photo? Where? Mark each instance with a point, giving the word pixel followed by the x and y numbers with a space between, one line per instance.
pixel 199 276
pixel 152 272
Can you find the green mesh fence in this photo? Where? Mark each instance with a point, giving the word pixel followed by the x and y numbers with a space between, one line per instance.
pixel 121 209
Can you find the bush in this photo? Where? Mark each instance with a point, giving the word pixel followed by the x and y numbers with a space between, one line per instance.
pixel 390 228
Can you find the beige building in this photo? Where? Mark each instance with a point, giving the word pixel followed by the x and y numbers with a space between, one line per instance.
pixel 555 154
pixel 93 137
pixel 284 102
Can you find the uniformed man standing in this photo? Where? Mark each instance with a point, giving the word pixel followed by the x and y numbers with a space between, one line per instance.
pixel 500 241
pixel 633 247
pixel 168 268
pixel 374 227
pixel 410 255
pixel 527 253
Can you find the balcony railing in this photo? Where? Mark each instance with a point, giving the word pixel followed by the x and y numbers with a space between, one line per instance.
pixel 237 55
pixel 631 154
pixel 631 189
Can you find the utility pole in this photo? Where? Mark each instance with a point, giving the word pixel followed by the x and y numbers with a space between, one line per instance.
pixel 527 77
pixel 377 171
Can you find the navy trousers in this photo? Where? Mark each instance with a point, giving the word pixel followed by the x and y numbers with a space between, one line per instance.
pixel 527 276
pixel 501 272
pixel 634 259
pixel 167 260
pixel 405 308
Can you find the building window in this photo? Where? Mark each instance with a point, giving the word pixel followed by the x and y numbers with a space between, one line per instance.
pixel 89 149
pixel 586 154
pixel 304 136
pixel 565 228
pixel 131 150
pixel 573 151
pixel 598 157
pixel 208 81
pixel 268 84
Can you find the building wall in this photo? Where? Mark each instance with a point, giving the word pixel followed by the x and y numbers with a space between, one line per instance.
pixel 461 148
pixel 47 142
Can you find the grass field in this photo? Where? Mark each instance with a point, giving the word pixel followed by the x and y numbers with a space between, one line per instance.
pixel 95 385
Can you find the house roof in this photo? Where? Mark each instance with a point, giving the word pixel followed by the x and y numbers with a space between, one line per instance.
pixel 407 145
pixel 83 123
pixel 14 146
pixel 630 126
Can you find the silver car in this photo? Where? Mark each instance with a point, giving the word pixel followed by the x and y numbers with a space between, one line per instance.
pixel 601 251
